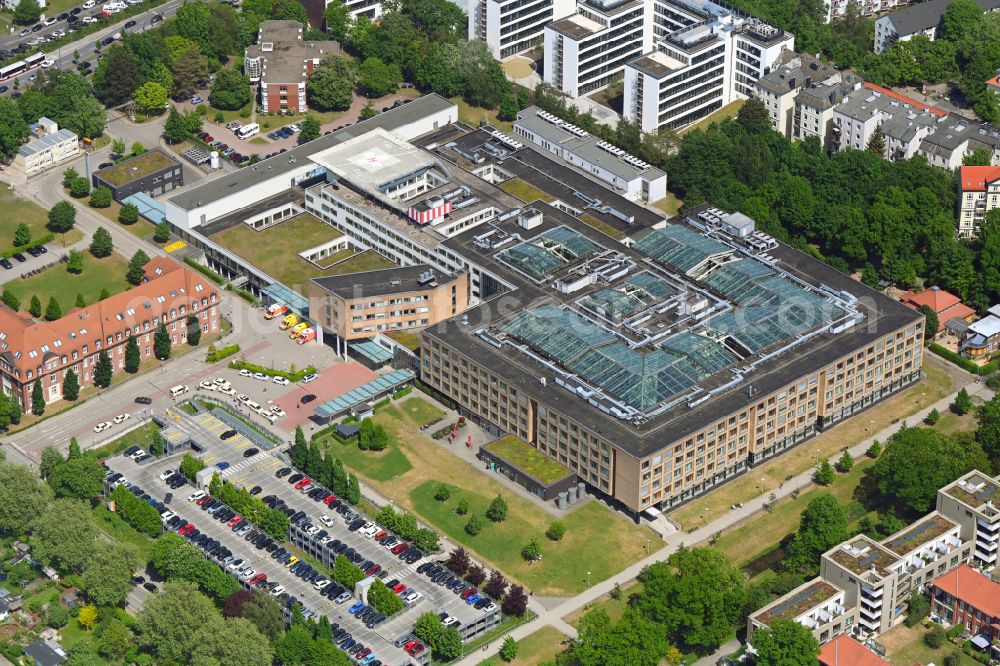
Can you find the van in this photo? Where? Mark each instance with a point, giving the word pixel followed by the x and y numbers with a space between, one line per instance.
pixel 180 389
pixel 289 321
pixel 248 131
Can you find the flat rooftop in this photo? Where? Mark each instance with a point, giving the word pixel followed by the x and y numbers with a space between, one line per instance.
pixel 383 282
pixel 374 160
pixel 137 167
pixel 918 534
pixel 657 64
pixel 862 554
pixel 797 602
pixel 576 26
pixel 975 490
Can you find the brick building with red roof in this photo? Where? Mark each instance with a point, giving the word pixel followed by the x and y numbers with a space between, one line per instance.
pixel 31 349
pixel 978 194
pixel 946 305
pixel 845 651
pixel 967 597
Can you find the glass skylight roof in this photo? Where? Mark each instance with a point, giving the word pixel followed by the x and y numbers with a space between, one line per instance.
pixel 680 247
pixel 548 251
pixel 634 294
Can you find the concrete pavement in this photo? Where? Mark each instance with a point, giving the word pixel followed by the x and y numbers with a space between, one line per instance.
pixel 554 616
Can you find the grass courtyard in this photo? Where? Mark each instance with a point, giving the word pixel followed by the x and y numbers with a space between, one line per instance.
pixel 412 468
pixel 275 250
pixel 936 385
pixel 539 647
pixel 615 608
pixel 471 115
pixel 107 273
pixel 905 645
pixel 17 210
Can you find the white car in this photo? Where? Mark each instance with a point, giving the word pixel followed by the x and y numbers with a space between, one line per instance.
pixel 50 20
pixel 326 520
pixel 281 381
pixel 248 574
pixel 309 378
pixel 121 418
pixel 277 590
pixel 88 20
pixel 166 473
pixel 243 397
pixel 260 375
pixel 369 530
pixel 102 426
pixel 413 598
pixel 489 608
pixel 138 454
pixel 196 495
pixel 245 373
pixel 226 390
pixel 320 584
pixel 207 385
pixel 221 381
pixel 278 411
pixel 235 564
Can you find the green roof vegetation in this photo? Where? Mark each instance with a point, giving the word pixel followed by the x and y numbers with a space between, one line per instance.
pixel 137 167
pixel 528 459
pixel 409 340
pixel 524 191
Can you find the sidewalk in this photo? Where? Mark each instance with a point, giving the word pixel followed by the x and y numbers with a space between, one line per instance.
pixel 675 541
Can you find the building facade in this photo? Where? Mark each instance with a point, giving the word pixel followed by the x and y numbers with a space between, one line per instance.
pixel 978 194
pixel 919 19
pixel 969 598
pixel 510 27
pixel 153 172
pixel 904 122
pixel 52 147
pixel 47 350
pixel 280 63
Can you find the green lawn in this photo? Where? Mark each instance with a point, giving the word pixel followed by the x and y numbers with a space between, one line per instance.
pixel 596 540
pixel 471 115
pixel 615 608
pixel 905 645
pixel 143 228
pixel 528 459
pixel 119 531
pixel 669 204
pixel 275 250
pixel 541 646
pixel 420 410
pixel 17 210
pixel 728 111
pixel 107 273
pixel 524 190
pixel 141 436
pixel 379 465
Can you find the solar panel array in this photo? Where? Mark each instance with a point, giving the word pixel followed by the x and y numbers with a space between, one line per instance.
pixel 679 247
pixel 639 379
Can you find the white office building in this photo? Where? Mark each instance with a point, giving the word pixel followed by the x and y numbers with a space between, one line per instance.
pixel 511 26
pixel 705 57
pixel 52 147
pixel 628 175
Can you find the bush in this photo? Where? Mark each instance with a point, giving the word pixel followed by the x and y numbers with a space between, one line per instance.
pixel 935 638
pixel 402 392
pixel 556 530
pixel 954 632
pixel 443 493
pixel 290 376
pixel 79 187
pixel 204 270
pixel 955 358
pixel 474 526
pixel 101 198
pixel 219 354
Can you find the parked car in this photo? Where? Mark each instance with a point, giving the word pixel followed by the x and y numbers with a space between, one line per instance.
pixel 143 400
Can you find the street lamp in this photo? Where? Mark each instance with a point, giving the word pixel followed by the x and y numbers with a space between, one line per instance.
pixel 647 547
pixel 588 579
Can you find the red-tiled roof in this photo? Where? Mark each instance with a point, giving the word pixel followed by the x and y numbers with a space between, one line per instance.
pixel 976 178
pixel 938 300
pixel 26 344
pixel 940 113
pixel 972 587
pixel 845 651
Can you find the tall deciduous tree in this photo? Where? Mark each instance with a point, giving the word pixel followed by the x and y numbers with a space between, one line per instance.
pixel 62 217
pixel 785 643
pixel 822 525
pixel 330 86
pixel 101 245
pixel 107 577
pixel 64 534
pixel 22 495
pixel 337 20
pixel 231 90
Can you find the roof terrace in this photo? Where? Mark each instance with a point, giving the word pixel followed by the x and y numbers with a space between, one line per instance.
pixel 797 602
pixel 862 555
pixel 975 490
pixel 919 534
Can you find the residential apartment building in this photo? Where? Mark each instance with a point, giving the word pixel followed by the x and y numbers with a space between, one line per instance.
pixel 52 147
pixel 970 598
pixel 955 137
pixel 315 9
pixel 919 19
pixel 704 56
pixel 588 50
pixel 411 298
pixel 280 63
pixel 33 350
pixel 978 194
pixel 845 651
pixel 626 174
pixel 904 122
pixel 864 584
pixel 511 26
pixel 791 73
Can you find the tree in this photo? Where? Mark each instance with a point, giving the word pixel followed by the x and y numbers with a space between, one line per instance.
pixel 80 302
pixel 62 216
pixel 107 577
pixel 37 398
pixel 936 637
pixel 633 640
pixel 310 130
pixel 117 76
pixel 353 494
pixel 932 417
pixel 516 601
pixel 115 640
pixel 532 551
pixel 74 264
pixel 64 535
pixel 295 646
pixel 368 111
pixel 10 300
pixel 378 78
pixel 35 307
pixel 193 331
pixel 463 507
pixel 101 197
pixel 346 573
pixel 71 386
pixel 118 146
pixel 917 608
pixel 846 462
pixel 22 235
pixel 173 622
pixel 73 452
pixel 51 458
pixel 87 616
pixel 175 129
pixel 978 157
pixel 916 463
pixel 427 628
pixel 22 496
pixel 931 323
pixel 476 574
pixel 824 474
pixel 161 234
pixel 27 13
pixel 157 445
pixel 132 357
pixel 960 19
pixel 823 525
pixel 150 97
pixel 443 493
pixel 188 67
pixel 231 90
pixel 101 244
pixel 963 403
pixel 497 511
pixel 78 188
pixel 496 586
pixel 876 143
pixel 508 651
pixel 875 450
pixel 696 594
pixel 138 148
pixel 233 606
pixel 556 531
pixel 448 645
pixel 330 86
pixel 53 311
pixel 265 613
pixel 474 525
pixel 384 600
pixel 337 20
pixel 785 643
pixel 103 370
pixel 129 214
pixel 753 116
pixel 136 270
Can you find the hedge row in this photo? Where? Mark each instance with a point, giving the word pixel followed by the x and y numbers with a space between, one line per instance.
pixel 10 252
pixel 963 362
pixel 220 354
pixel 204 270
pixel 290 376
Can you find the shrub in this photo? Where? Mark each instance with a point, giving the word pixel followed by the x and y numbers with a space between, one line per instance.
pixel 556 530
pixel 100 198
pixel 443 493
pixel 204 270
pixel 474 526
pixel 290 376
pixel 219 354
pixel 935 638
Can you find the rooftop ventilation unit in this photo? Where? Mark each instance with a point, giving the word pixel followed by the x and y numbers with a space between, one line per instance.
pixel 395 282
pixel 512 143
pixel 426 277
pixel 576 131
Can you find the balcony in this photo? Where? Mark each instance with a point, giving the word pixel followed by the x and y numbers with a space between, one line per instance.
pixel 872 593
pixel 871 613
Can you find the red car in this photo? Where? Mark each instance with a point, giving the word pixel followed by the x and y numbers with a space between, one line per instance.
pixel 396 550
pixel 409 646
pixel 187 528
pixel 417 649
pixel 204 499
pixel 208 138
pixel 399 587
pixel 380 535
pixel 257 579
pixel 303 482
pixel 469 592
pixel 235 521
pixel 330 500
pixel 374 569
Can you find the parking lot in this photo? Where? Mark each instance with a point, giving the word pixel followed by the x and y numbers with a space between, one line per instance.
pixel 259 470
